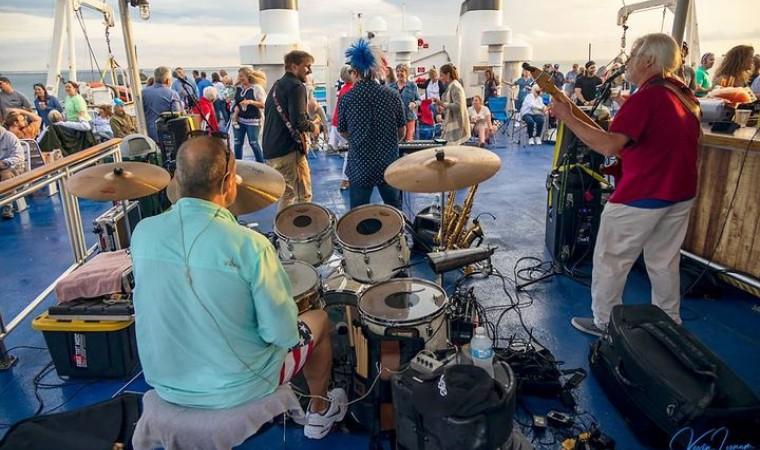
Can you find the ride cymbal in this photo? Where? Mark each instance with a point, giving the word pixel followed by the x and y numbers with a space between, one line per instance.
pixel 442 169
pixel 118 181
pixel 258 187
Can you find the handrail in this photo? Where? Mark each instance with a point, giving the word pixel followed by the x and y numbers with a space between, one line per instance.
pixel 58 172
pixel 16 182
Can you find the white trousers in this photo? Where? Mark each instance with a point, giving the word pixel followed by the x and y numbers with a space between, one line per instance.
pixel 624 233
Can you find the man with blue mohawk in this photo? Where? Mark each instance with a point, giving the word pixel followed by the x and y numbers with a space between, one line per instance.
pixel 372 119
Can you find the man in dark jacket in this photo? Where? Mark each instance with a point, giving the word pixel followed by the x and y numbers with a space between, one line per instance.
pixel 285 118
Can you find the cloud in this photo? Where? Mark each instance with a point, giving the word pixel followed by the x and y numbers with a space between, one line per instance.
pixel 197 33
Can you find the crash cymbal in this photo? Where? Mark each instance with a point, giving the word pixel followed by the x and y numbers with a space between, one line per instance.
pixel 118 181
pixel 442 169
pixel 258 187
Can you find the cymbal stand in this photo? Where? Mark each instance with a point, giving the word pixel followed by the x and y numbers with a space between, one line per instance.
pixel 119 172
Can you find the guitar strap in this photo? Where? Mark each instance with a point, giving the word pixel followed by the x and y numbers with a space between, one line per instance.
pixel 291 129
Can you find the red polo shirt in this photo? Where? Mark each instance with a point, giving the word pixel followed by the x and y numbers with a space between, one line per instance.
pixel 660 161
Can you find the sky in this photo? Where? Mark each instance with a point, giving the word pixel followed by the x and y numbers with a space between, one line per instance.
pixel 197 33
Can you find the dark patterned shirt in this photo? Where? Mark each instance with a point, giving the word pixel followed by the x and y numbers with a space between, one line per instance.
pixel 372 115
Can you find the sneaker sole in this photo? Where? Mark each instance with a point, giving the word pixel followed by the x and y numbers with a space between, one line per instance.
pixel 585 330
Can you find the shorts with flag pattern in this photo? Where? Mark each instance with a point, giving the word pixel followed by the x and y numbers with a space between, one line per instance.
pixel 296 356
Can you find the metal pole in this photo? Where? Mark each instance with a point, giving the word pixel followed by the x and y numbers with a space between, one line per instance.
pixel 56 49
pixel 71 41
pixel 679 21
pixel 134 70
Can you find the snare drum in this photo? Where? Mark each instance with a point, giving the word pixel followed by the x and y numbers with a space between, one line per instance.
pixel 305 232
pixel 406 307
pixel 373 242
pixel 305 285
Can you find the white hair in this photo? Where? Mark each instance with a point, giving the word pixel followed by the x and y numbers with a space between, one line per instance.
pixel 210 93
pixel 663 49
pixel 55 116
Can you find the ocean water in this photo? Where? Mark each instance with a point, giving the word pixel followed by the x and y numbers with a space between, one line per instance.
pixel 24 81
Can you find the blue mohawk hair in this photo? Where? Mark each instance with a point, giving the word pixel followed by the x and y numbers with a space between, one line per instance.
pixel 361 57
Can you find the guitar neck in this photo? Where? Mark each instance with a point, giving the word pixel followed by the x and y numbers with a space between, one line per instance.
pixel 544 80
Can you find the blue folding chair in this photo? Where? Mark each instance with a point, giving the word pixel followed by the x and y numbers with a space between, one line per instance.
pixel 498 107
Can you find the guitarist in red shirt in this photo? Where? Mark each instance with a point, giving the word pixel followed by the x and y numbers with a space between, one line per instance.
pixel 655 134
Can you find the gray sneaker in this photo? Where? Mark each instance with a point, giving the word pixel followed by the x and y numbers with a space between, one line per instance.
pixel 586 325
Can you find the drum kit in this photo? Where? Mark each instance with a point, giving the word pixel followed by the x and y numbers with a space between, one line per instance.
pixel 371 239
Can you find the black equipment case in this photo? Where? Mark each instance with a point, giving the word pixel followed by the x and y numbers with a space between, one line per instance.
pixel 418 429
pixel 668 385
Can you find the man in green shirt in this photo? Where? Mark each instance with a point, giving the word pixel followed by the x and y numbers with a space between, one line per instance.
pixel 702 78
pixel 216 322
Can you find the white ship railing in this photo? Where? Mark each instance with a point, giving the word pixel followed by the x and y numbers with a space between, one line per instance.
pixel 40 178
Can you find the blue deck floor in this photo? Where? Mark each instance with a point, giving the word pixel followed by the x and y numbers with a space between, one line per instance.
pixel 34 250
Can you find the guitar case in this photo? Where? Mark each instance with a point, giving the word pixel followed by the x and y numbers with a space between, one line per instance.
pixel 670 387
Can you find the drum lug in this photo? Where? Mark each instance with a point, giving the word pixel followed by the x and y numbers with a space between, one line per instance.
pixel 290 247
pixel 369 273
pixel 429 330
pixel 366 258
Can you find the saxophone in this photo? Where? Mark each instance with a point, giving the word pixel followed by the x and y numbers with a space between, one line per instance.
pixel 453 237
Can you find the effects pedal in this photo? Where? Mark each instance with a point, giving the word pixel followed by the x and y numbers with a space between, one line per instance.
pixel 425 363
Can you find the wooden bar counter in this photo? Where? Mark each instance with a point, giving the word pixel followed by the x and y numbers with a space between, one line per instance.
pixel 721 157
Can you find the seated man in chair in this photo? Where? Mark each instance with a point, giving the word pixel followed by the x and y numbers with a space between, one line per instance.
pixel 217 326
pixel 67 136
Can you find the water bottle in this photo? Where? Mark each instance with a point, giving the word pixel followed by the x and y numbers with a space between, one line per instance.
pixel 481 350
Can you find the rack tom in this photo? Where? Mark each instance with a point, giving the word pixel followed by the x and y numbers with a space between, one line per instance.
pixel 305 232
pixel 408 307
pixel 305 285
pixel 373 243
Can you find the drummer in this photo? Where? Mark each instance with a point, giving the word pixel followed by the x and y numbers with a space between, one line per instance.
pixel 372 119
pixel 216 323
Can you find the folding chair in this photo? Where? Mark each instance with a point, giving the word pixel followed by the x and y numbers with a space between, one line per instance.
pixel 35 158
pixel 498 107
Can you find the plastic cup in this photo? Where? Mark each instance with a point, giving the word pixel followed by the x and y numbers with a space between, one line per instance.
pixel 741 116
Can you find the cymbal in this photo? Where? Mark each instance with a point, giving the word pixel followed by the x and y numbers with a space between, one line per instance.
pixel 118 181
pixel 258 187
pixel 442 169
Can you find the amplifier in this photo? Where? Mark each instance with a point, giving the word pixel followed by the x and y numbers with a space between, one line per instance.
pixel 173 130
pixel 111 227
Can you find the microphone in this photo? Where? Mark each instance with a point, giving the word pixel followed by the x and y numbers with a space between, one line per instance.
pixel 617 73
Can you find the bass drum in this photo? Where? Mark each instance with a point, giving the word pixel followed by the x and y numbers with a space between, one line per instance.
pixel 305 285
pixel 373 243
pixel 406 307
pixel 305 232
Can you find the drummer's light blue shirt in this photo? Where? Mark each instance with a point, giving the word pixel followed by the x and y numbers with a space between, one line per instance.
pixel 243 302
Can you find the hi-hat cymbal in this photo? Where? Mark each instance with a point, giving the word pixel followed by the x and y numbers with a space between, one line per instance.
pixel 118 181
pixel 258 187
pixel 442 169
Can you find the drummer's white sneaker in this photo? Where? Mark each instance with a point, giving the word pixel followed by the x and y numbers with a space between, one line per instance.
pixel 318 425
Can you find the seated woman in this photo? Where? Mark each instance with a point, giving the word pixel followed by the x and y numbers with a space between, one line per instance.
pixel 101 125
pixel 67 136
pixel 480 118
pixel 532 113
pixel 22 123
